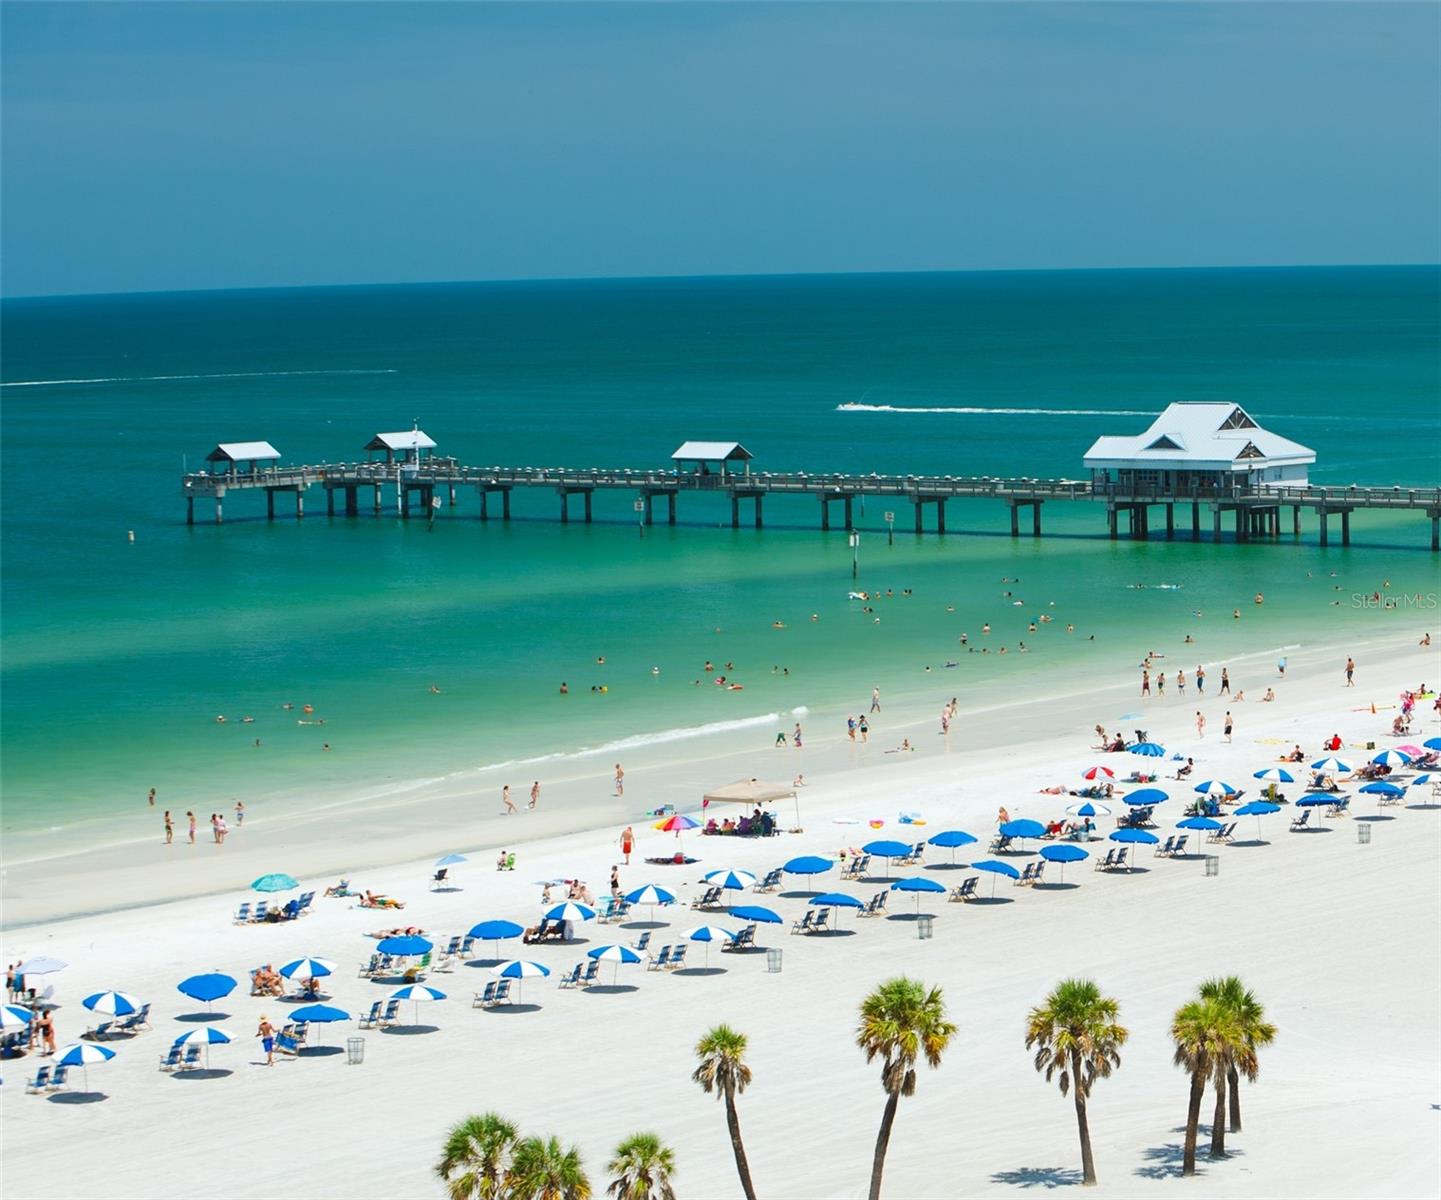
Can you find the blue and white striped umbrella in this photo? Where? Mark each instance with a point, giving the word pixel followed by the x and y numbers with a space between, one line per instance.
pixel 82 1054
pixel 418 992
pixel 570 911
pixel 616 954
pixel 708 934
pixel 1088 808
pixel 734 881
pixel 1214 787
pixel 1419 781
pixel 650 894
pixel 13 1016
pixel 520 968
pixel 307 968
pixel 1275 775
pixel 114 1004
pixel 1392 758
pixel 204 1035
pixel 1333 766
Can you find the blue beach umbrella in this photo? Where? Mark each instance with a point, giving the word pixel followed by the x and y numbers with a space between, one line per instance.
pixel 1063 854
pixel 1432 743
pixel 1148 749
pixel 732 881
pixel 520 969
pixel 1314 799
pixel 614 954
pixel 755 912
pixel 113 1004
pixel 1419 781
pixel 1383 787
pixel 1392 758
pixel 274 883
pixel 82 1054
pixel 1333 766
pixel 1146 797
pixel 405 945
pixel 319 1014
pixel 1214 787
pixel 1257 809
pixel 1139 837
pixel 950 839
pixel 1206 823
pixel 1088 808
pixel 495 931
pixel 996 868
pixel 837 900
pixel 887 849
pixel 451 860
pixel 1023 828
pixel 708 934
pixel 206 988
pixel 308 968
pixel 808 864
pixel 918 885
pixel 14 1016
pixel 570 911
pixel 1275 775
pixel 205 1035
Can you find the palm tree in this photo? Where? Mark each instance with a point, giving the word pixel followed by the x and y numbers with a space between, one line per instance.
pixel 1251 1015
pixel 541 1169
pixel 476 1155
pixel 1076 1035
pixel 642 1167
pixel 723 1070
pixel 900 1021
pixel 1207 1037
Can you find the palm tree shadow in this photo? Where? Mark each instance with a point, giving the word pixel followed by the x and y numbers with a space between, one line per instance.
pixel 1046 1177
pixel 1166 1160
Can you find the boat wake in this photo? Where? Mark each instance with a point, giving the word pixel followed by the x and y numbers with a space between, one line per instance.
pixel 170 378
pixel 1007 412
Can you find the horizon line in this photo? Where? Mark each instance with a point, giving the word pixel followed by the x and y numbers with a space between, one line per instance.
pixel 644 278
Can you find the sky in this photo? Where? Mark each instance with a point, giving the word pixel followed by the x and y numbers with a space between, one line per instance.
pixel 166 146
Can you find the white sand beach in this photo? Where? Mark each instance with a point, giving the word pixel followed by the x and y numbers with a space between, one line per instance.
pixel 1338 939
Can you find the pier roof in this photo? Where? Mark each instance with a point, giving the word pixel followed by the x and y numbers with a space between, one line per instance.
pixel 1200 435
pixel 712 452
pixel 242 452
pixel 406 439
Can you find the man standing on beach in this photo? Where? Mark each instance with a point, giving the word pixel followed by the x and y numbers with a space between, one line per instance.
pixel 1145 683
pixel 190 816
pixel 1225 682
pixel 1350 671
pixel 619 780
pixel 266 1034
pixel 239 813
pixel 1229 725
pixel 534 794
pixel 169 828
pixel 875 699
pixel 627 843
pixel 1200 680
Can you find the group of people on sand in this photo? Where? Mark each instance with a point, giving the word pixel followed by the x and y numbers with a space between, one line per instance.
pixel 534 794
pixel 219 829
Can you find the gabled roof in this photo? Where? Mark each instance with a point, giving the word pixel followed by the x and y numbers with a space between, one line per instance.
pixel 406 439
pixel 1199 434
pixel 242 452
pixel 712 452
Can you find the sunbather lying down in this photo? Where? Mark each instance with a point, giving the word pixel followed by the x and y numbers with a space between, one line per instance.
pixel 398 931
pixel 371 900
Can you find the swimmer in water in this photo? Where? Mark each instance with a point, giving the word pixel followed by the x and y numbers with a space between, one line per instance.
pixel 220 720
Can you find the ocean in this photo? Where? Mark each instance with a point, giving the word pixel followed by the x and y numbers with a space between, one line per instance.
pixel 119 655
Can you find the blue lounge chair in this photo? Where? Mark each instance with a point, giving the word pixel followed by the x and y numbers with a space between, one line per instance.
pixel 371 1018
pixel 592 973
pixel 306 900
pixel 242 914
pixel 262 910
pixel 136 1021
pixel 805 924
pixel 771 881
pixel 106 1029
pixel 1301 822
pixel 677 958
pixel 57 1079
pixel 502 993
pixel 391 1015
pixel 822 923
pixel 453 946
pixel 1165 849
pixel 171 1058
pixel 744 940
pixel 710 898
pixel 966 890
pixel 438 879
pixel 642 942
pixel 41 1081
pixel 1105 864
pixel 857 867
pixel 572 977
pixel 660 961
pixel 191 1061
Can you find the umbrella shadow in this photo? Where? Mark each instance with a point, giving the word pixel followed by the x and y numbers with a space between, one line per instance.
pixel 202 1018
pixel 1251 844
pixel 319 1051
pixel 1046 1177
pixel 1124 871
pixel 831 933
pixel 643 924
pixel 308 999
pixel 910 916
pixel 94 1035
pixel 1315 829
pixel 484 962
pixel 805 895
pixel 698 971
pixel 610 989
pixel 992 900
pixel 409 1030
pixel 77 1097
pixel 202 1073
pixel 1056 887
pixel 512 1008
pixel 450 887
pixel 1422 807
pixel 1377 817
pixel 946 866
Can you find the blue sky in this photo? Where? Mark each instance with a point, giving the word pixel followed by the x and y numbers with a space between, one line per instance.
pixel 158 146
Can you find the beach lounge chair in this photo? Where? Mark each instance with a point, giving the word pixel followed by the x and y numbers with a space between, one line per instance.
pixel 446 963
pixel 41 1081
pixel 771 881
pixel 1302 821
pixel 369 968
pixel 805 923
pixel 857 867
pixel 592 973
pixel 137 1020
pixel 622 909
pixel 1342 808
pixel 1223 835
pixel 1166 849
pixel 1179 849
pixel 106 1029
pixel 372 1018
pixel 1001 842
pixel 571 977
pixel 262 911
pixel 744 940
pixel 191 1061
pixel 1105 864
pixel 171 1058
pixel 660 960
pixel 642 943
pixel 438 879
pixel 58 1081
pixel 453 946
pixel 306 900
pixel 242 914
pixel 1028 876
pixel 1121 864
pixel 966 890
pixel 710 898
pixel 677 958
pixel 289 1040
pixel 391 1015
pixel 467 944
pixel 482 998
pixel 822 923
pixel 917 853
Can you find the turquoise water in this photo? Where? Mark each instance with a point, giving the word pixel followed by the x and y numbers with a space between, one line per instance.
pixel 118 656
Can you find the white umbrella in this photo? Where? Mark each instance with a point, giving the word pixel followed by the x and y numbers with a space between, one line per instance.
pixel 204 1035
pixel 112 1004
pixel 82 1054
pixel 13 1016
pixel 417 994
pixel 41 965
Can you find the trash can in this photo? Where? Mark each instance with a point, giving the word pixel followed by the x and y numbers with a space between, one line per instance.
pixel 923 925
pixel 773 960
pixel 1363 833
pixel 355 1050
pixel 1213 864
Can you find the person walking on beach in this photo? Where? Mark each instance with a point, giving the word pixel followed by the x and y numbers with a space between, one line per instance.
pixel 152 797
pixel 534 794
pixel 851 728
pixel 614 880
pixel 1145 683
pixel 863 727
pixel 1228 726
pixel 169 828
pixel 239 813
pixel 627 843
pixel 1225 682
pixel 1181 683
pixel 1281 668
pixel 796 736
pixel 1350 671
pixel 190 816
pixel 619 780
pixel 266 1034
pixel 875 699
pixel 1161 684
pixel 1200 680
pixel 1200 724
pixel 509 803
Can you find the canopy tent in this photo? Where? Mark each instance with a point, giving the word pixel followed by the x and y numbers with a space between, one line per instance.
pixel 754 792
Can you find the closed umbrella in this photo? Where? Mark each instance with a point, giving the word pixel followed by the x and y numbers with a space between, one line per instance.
pixel 918 885
pixel 112 1004
pixel 732 881
pixel 614 954
pixel 1063 854
pixel 203 1035
pixel 950 839
pixel 277 882
pixel 1257 809
pixel 206 988
pixel 996 868
pixel 496 931
pixel 82 1055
